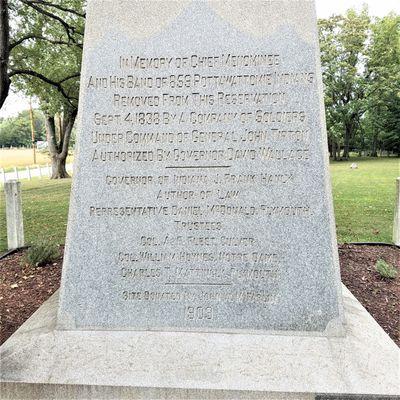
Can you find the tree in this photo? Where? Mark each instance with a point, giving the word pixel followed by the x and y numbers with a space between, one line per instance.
pixel 361 72
pixel 382 117
pixel 16 131
pixel 44 61
pixel 343 45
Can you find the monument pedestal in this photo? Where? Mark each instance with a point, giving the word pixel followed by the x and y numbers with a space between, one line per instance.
pixel 40 362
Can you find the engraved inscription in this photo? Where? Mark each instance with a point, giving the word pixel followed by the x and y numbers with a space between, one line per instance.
pixel 207 123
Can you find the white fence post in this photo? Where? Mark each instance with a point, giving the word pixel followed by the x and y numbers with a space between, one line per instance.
pixel 40 171
pixel 15 222
pixel 16 177
pixel 28 170
pixel 396 221
pixel 3 175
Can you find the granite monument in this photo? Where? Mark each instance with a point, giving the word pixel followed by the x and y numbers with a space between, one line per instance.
pixel 201 197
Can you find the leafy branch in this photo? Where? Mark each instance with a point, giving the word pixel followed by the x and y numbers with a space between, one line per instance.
pixel 69 29
pixel 58 7
pixel 57 85
pixel 38 37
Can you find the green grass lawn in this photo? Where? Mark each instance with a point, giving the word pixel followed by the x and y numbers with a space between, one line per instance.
pixel 363 198
pixel 45 209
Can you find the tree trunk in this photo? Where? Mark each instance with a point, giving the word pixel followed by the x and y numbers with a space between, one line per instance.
pixel 334 154
pixel 59 149
pixel 58 168
pixel 346 145
pixel 337 156
pixel 4 51
pixel 374 150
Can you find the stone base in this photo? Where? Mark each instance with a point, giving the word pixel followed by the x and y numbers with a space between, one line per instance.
pixel 39 362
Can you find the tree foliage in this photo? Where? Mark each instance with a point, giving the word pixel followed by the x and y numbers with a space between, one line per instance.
pixel 360 64
pixel 382 100
pixel 44 62
pixel 46 51
pixel 16 131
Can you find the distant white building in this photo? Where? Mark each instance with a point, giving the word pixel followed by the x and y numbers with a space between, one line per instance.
pixel 40 145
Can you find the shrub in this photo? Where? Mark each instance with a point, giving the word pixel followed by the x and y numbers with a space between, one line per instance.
pixel 385 270
pixel 42 253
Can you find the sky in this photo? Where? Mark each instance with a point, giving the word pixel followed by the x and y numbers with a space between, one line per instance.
pixel 16 102
pixel 378 8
